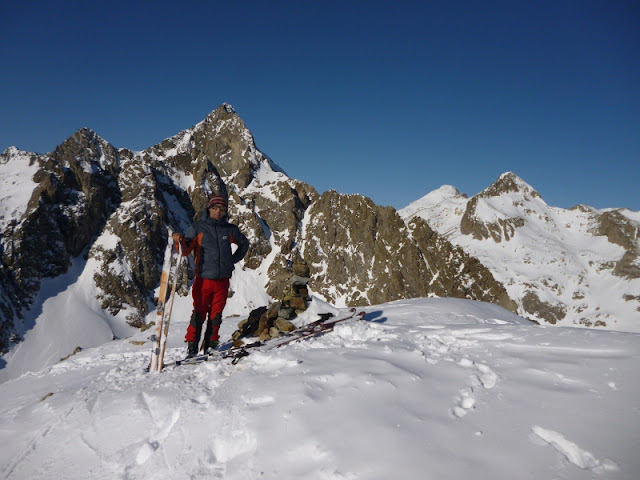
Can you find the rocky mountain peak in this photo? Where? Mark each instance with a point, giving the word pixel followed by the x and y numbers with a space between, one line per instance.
pixel 501 208
pixel 223 112
pixel 509 182
pixel 86 150
pixel 223 140
pixel 83 136
pixel 228 108
pixel 10 152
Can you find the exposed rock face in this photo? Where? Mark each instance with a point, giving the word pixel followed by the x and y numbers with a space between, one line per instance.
pixel 77 191
pixel 361 254
pixel 629 265
pixel 457 274
pixel 545 310
pixel 622 231
pixel 502 225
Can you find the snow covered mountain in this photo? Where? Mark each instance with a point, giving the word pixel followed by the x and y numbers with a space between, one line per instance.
pixel 86 225
pixel 567 267
pixel 422 388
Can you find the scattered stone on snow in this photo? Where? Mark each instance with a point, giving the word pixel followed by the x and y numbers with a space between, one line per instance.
pixel 273 320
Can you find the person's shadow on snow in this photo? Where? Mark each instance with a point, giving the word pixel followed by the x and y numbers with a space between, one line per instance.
pixel 375 317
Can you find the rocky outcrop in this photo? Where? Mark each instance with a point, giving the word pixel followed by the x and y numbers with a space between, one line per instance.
pixel 620 230
pixel 498 230
pixel 76 192
pixel 500 225
pixel 361 254
pixel 629 265
pixel 457 273
pixel 551 313
pixel 271 321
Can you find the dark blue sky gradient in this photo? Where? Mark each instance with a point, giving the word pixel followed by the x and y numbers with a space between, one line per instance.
pixel 389 99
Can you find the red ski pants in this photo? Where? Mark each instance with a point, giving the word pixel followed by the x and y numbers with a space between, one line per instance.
pixel 209 298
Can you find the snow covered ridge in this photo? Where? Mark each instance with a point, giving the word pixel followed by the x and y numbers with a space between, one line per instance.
pixel 568 267
pixel 455 388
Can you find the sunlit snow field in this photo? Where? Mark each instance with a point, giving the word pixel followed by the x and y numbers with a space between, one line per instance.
pixel 425 388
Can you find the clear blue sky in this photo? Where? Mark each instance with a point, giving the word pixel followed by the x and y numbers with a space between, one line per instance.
pixel 391 99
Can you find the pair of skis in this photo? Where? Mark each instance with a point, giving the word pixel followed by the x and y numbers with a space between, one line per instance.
pixel 168 283
pixel 324 324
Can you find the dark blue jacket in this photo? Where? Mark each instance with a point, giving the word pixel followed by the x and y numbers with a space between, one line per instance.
pixel 211 241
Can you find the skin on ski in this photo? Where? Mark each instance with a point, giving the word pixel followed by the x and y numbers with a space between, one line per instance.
pixel 167 317
pixel 162 296
pixel 318 327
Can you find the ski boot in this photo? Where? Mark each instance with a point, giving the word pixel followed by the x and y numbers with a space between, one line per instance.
pixel 211 346
pixel 192 349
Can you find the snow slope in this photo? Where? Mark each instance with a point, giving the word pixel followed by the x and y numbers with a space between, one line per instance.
pixel 424 388
pixel 16 180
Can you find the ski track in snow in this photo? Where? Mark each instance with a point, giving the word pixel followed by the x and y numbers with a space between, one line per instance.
pixel 216 420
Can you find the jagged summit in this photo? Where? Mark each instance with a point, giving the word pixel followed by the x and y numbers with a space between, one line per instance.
pixel 83 135
pixel 509 182
pixel 228 108
pixel 10 152
pixel 86 132
pixel 500 209
pixel 88 148
pixel 222 112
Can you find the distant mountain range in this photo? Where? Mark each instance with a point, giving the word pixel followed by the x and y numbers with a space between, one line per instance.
pixel 107 212
pixel 572 267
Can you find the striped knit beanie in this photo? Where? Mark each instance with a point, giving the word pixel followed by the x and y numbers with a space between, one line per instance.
pixel 217 200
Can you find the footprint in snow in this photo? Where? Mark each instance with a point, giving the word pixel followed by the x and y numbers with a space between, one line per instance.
pixel 487 377
pixel 466 402
pixel 259 401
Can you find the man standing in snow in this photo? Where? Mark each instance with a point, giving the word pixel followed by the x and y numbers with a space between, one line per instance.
pixel 210 239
